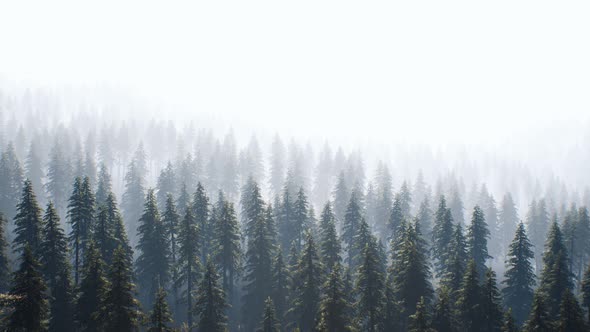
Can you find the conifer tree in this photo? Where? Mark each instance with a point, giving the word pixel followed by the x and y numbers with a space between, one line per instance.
pixel 351 226
pixel 519 278
pixel 153 267
pixel 539 319
pixel 269 319
pixel 119 231
pixel 103 234
pixel 166 185
pixel 329 243
pixel 509 324
pixel 11 181
pixel 442 234
pixel 160 317
pixel 28 222
pixel 442 320
pixel 369 287
pixel 405 198
pixel 300 217
pixel 419 321
pixel 33 171
pixel 210 302
pixel 491 303
pixel 133 196
pixel 556 276
pixel 30 311
pixel 396 219
pixel 361 239
pixel 425 217
pixel 538 224
pixel 92 290
pixel 507 219
pixel 468 305
pixel 202 213
pixel 183 200
pixel 80 217
pixel 170 220
pixel 458 259
pixel 341 197
pixel 120 309
pixel 56 268
pixel 477 241
pixel 188 260
pixel 571 317
pixel 334 310
pixel 586 290
pixel 227 246
pixel 280 287
pixel 306 287
pixel 58 177
pixel 104 185
pixel 286 220
pixel 4 261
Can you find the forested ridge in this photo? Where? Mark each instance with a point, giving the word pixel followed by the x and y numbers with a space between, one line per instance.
pixel 99 233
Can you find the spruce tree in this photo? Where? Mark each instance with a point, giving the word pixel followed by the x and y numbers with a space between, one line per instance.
pixel 442 320
pixel 152 265
pixel 210 304
pixel 58 177
pixel 369 287
pixel 396 219
pixel 442 234
pixel 330 246
pixel 342 197
pixel 81 218
pixel 286 220
pixel 166 185
pixel 120 309
pixel 170 219
pixel 280 287
pixel 269 319
pixel 351 225
pixel 307 287
pixel 571 317
pixel 300 217
pixel 28 222
pixel 509 324
pixel 334 311
pixel 133 196
pixel 11 181
pixel 92 290
pixel 477 240
pixel 4 261
pixel 103 234
pixel 538 224
pixel 491 303
pixel 519 278
pixel 227 246
pixel 30 311
pixel 160 317
pixel 202 213
pixel 458 259
pixel 507 219
pixel 188 260
pixel 425 217
pixel 539 319
pixel 586 290
pixel 419 320
pixel 469 311
pixel 119 232
pixel 56 268
pixel 104 185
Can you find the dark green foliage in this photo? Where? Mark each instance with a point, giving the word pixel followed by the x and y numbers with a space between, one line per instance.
pixel 152 265
pixel 586 289
pixel 280 284
pixel 11 181
pixel 396 219
pixel 104 186
pixel 306 287
pixel 30 311
pixel 133 196
pixel 458 258
pixel 104 234
pixel 420 321
pixel 351 226
pixel 442 320
pixel 300 218
pixel 56 268
pixel 370 287
pixel 539 319
pixel 442 235
pixel 509 324
pixel 269 319
pixel 81 218
pixel 120 309
pixel 491 303
pixel 477 240
pixel 469 310
pixel 286 221
pixel 342 197
pixel 33 171
pixel 4 261
pixel 160 317
pixel 202 213
pixel 519 278
pixel 119 232
pixel 425 217
pixel 571 317
pixel 335 311
pixel 188 260
pixel 28 223
pixel 227 246
pixel 210 304
pixel 330 247
pixel 361 239
pixel 92 290
pixel 170 220
pixel 166 185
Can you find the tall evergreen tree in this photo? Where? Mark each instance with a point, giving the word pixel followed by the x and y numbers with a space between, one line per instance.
pixel 210 303
pixel 119 231
pixel 4 261
pixel 425 217
pixel 539 319
pixel 468 304
pixel 280 287
pixel 507 219
pixel 188 260
pixel 509 324
pixel 307 287
pixel 442 234
pixel 397 218
pixel 491 303
pixel 519 278
pixel 538 225
pixel 201 211
pixel 92 290
pixel 227 247
pixel 341 196
pixel 571 317
pixel 11 181
pixel 33 171
pixel 103 234
pixel 104 185
pixel 81 217
pixel 351 226
pixel 442 320
pixel 329 243
pixel 153 266
pixel 369 287
pixel 58 177
pixel 300 217
pixel 477 240
pixel 420 321
pixel 28 222
pixel 334 310
pixel 269 319
pixel 586 290
pixel 30 311
pixel 160 316
pixel 170 220
pixel 120 309
pixel 166 185
pixel 56 268
pixel 452 276
pixel 133 197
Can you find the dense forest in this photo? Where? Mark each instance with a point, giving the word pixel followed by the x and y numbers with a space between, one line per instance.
pixel 128 225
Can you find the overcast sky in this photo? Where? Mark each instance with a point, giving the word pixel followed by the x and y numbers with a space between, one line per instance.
pixel 432 71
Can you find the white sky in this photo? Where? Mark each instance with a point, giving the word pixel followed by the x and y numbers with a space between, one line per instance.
pixel 432 71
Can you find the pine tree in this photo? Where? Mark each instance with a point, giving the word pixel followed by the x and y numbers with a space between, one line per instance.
pixel 491 303
pixel 166 185
pixel 330 247
pixel 227 246
pixel 11 181
pixel 28 223
pixel 152 265
pixel 4 261
pixel 452 276
pixel 419 321
pixel 103 234
pixel 509 324
pixel 81 217
pixel 442 320
pixel 120 309
pixel 104 185
pixel 133 196
pixel 286 220
pixel 269 319
pixel 350 228
pixel 92 290
pixel 396 219
pixel 571 317
pixel 334 310
pixel 56 268
pixel 507 219
pixel 361 239
pixel 519 278
pixel 300 217
pixel 468 304
pixel 58 177
pixel 160 317
pixel 405 198
pixel 188 260
pixel 280 287
pixel 477 240
pixel 556 276
pixel 306 287
pixel 119 231
pixel 30 311
pixel 538 224
pixel 442 235
pixel 425 217
pixel 342 198
pixel 369 287
pixel 210 303
pixel 202 213
pixel 539 319
pixel 170 219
